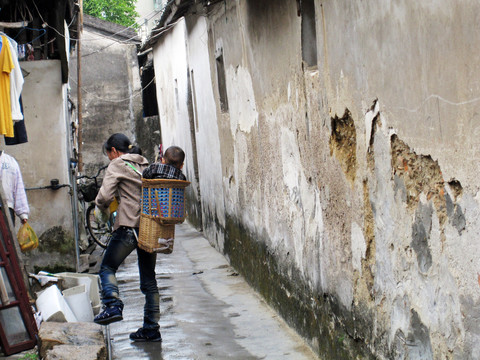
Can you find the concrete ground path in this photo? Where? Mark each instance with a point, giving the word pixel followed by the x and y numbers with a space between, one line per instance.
pixel 207 310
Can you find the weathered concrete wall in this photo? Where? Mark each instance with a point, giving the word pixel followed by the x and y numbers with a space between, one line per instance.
pixel 45 157
pixel 174 96
pixel 346 192
pixel 111 96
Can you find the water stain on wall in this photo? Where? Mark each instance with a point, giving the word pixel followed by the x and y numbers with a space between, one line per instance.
pixel 319 317
pixel 418 339
pixel 454 210
pixel 421 235
pixel 368 263
pixel 420 174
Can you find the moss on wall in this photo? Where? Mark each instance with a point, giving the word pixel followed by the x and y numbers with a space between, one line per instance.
pixel 55 252
pixel 56 239
pixel 193 209
pixel 319 317
pixel 57 268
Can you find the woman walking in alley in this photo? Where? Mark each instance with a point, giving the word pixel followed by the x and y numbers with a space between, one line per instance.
pixel 123 181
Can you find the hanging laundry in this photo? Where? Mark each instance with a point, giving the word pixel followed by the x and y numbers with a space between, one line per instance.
pixel 16 82
pixel 6 67
pixel 19 131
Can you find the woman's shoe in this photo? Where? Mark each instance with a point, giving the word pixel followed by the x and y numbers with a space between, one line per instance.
pixel 146 335
pixel 109 315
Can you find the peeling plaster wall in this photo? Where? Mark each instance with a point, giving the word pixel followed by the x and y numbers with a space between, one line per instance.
pixel 347 194
pixel 111 97
pixel 42 158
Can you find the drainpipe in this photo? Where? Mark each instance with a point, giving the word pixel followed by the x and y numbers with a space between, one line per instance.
pixel 76 224
pixel 79 85
pixel 79 134
pixel 73 188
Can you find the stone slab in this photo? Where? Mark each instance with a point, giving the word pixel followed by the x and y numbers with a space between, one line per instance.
pixel 77 352
pixel 81 334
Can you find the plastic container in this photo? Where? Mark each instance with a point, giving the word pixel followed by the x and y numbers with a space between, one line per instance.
pixel 91 281
pixel 79 301
pixel 53 307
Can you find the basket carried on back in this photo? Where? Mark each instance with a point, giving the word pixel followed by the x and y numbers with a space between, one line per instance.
pixel 163 206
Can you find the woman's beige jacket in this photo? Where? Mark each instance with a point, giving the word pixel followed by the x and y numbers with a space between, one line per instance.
pixel 123 183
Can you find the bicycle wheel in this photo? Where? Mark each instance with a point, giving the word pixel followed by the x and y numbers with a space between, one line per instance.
pixel 100 233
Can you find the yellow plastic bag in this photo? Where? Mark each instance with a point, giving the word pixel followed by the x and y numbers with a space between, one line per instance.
pixel 113 206
pixel 27 238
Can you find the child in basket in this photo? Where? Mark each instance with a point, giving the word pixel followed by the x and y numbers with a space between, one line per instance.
pixel 170 167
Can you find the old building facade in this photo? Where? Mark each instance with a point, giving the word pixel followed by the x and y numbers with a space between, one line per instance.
pixel 333 152
pixel 45 34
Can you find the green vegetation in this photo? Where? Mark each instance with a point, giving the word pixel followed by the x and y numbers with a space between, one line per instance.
pixel 117 11
pixel 29 356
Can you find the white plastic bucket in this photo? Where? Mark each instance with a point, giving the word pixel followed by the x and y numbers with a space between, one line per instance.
pixel 93 289
pixel 78 300
pixel 53 307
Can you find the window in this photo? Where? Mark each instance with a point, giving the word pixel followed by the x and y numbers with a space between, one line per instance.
pixel 309 33
pixel 177 99
pixel 193 99
pixel 222 84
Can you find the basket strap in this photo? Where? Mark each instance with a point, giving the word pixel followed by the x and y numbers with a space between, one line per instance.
pixel 133 168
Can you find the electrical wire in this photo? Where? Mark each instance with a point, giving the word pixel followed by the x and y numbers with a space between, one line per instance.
pixel 162 30
pixel 44 23
pixel 136 93
pixel 114 42
pixel 147 17
pixel 142 19
pixel 165 29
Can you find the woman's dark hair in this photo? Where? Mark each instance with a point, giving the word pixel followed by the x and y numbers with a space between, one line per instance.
pixel 122 143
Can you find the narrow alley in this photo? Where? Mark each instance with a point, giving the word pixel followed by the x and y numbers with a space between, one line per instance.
pixel 332 154
pixel 207 310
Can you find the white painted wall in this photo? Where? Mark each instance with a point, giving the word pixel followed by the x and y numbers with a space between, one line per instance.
pixel 172 84
pixel 269 163
pixel 207 132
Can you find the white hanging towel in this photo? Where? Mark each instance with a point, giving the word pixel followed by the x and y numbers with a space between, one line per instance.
pixel 16 82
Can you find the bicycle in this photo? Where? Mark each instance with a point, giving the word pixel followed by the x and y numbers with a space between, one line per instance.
pixel 100 233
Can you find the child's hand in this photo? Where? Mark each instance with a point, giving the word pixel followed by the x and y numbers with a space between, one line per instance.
pixel 165 246
pixel 101 216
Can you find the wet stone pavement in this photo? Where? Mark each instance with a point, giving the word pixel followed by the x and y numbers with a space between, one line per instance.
pixel 207 310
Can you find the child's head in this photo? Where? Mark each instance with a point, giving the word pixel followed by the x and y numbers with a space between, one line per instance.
pixel 174 156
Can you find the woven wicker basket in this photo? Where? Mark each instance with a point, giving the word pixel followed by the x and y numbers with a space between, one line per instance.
pixel 162 207
pixel 149 233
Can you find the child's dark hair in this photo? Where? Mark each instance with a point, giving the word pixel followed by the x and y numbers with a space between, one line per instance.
pixel 175 156
pixel 122 143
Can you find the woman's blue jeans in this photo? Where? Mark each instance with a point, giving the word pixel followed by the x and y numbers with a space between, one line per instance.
pixel 122 243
